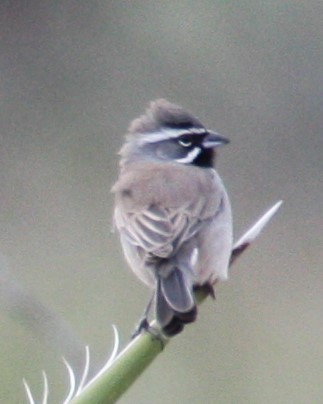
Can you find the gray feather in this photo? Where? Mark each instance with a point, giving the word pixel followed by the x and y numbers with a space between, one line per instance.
pixel 162 113
pixel 177 292
pixel 164 313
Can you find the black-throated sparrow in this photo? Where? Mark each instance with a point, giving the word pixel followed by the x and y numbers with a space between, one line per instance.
pixel 172 210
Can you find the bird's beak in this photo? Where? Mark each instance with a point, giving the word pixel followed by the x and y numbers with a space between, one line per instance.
pixel 213 139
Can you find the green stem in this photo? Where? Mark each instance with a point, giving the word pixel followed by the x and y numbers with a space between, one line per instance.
pixel 127 367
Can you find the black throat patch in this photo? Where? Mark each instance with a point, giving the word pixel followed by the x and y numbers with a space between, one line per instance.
pixel 205 158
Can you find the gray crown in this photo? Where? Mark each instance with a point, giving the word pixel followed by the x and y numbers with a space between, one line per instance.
pixel 162 114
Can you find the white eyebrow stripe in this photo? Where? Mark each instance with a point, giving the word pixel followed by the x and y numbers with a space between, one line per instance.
pixel 163 134
pixel 191 156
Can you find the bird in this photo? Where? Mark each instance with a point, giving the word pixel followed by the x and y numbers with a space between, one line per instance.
pixel 172 211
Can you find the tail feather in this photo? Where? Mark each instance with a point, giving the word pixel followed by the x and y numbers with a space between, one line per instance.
pixel 177 292
pixel 164 313
pixel 175 304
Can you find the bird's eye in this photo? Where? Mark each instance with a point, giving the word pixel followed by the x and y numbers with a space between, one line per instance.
pixel 185 142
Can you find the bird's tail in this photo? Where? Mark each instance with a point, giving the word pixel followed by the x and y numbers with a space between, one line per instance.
pixel 175 303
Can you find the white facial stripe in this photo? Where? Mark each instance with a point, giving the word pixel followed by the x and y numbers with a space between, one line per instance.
pixel 165 134
pixel 191 156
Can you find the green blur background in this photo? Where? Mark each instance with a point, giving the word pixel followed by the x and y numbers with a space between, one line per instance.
pixel 73 74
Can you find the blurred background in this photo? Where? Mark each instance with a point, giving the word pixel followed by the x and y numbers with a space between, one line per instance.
pixel 73 74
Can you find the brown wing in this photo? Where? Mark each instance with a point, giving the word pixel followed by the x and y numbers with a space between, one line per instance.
pixel 157 230
pixel 159 214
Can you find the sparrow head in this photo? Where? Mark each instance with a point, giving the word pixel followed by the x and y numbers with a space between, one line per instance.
pixel 166 132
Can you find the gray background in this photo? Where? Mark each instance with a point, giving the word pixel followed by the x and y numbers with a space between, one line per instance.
pixel 73 75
